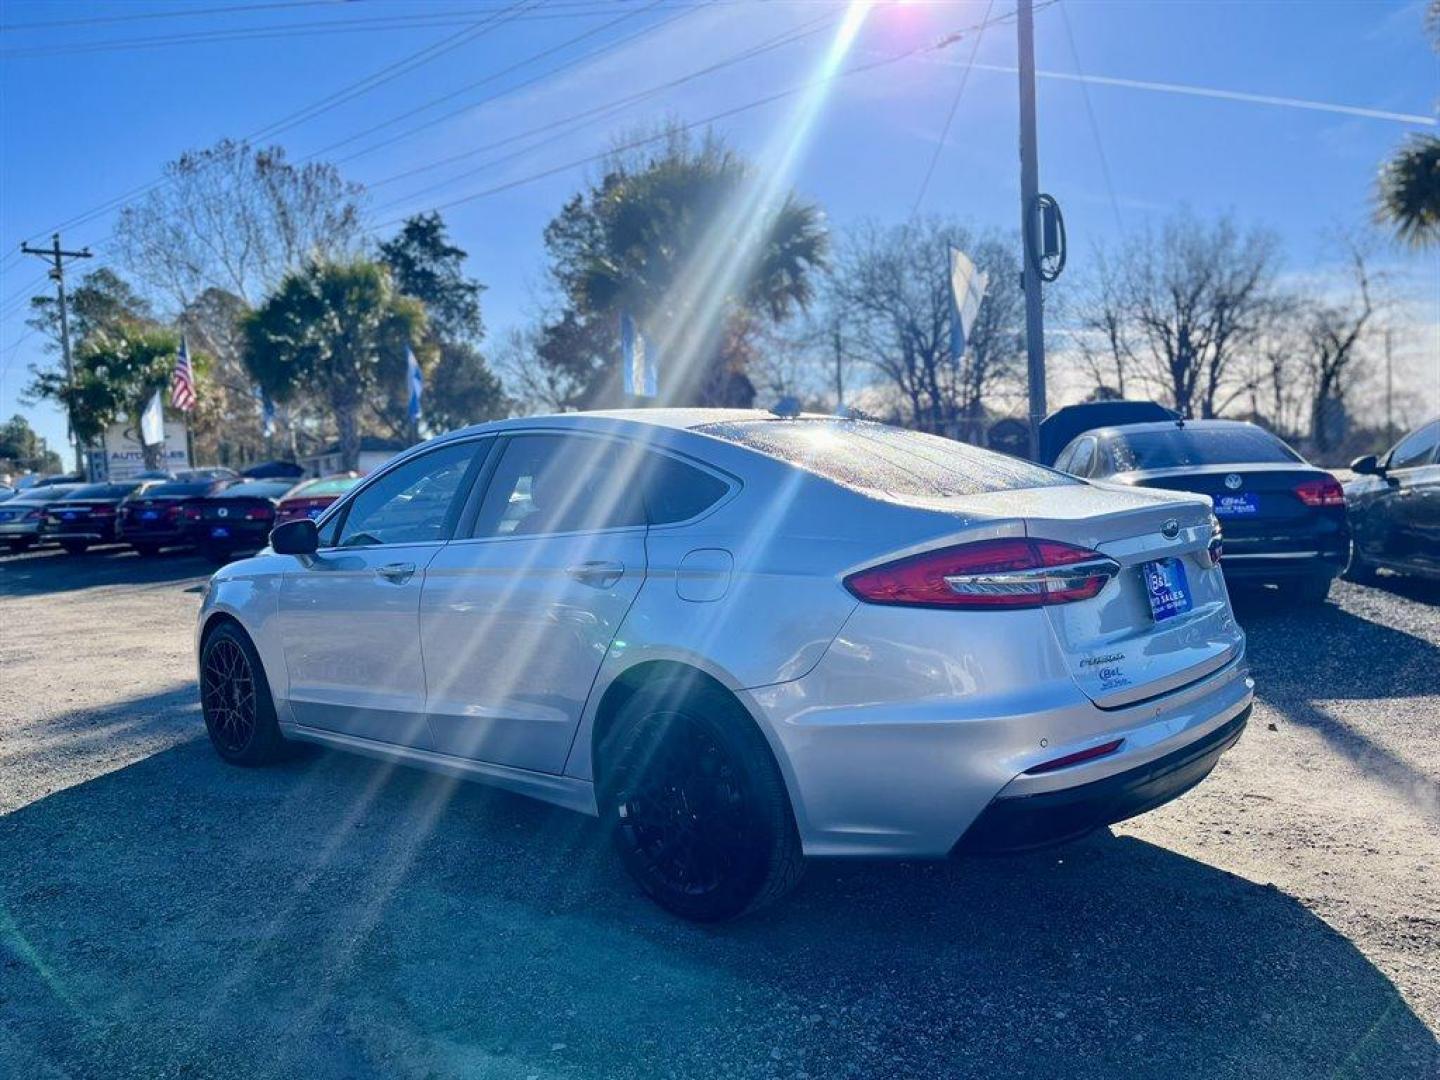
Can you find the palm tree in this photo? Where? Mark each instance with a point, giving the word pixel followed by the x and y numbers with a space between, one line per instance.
pixel 1408 190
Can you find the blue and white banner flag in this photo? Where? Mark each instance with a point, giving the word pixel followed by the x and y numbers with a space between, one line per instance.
pixel 152 422
pixel 638 360
pixel 967 289
pixel 267 415
pixel 416 379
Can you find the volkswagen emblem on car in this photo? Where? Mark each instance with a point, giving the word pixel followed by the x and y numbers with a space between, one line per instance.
pixel 222 512
pixel 1233 481
pixel 1170 529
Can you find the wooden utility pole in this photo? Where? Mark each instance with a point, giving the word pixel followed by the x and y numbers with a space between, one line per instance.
pixel 1029 205
pixel 57 257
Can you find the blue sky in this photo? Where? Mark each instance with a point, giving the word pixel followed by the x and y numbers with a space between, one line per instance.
pixel 88 113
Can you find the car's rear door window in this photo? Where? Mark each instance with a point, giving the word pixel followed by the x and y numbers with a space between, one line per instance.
pixel 885 460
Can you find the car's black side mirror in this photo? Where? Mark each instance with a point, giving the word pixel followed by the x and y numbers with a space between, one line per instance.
pixel 1368 465
pixel 298 537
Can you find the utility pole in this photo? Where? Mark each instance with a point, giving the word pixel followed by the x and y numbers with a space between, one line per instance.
pixel 1389 388
pixel 56 257
pixel 839 371
pixel 1029 202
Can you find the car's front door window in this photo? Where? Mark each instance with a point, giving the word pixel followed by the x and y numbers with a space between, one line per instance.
pixel 414 503
pixel 1417 448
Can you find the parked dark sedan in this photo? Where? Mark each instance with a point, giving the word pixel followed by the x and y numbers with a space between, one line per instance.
pixel 237 519
pixel 22 518
pixel 156 519
pixel 1283 519
pixel 1394 505
pixel 90 514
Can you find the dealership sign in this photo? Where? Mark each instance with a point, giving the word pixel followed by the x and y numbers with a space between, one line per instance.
pixel 123 457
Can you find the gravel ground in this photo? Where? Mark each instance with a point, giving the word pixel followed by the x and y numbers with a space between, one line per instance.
pixel 163 915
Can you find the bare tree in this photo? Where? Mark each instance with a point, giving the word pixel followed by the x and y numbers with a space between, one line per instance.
pixel 226 225
pixel 1178 309
pixel 893 285
pixel 1334 330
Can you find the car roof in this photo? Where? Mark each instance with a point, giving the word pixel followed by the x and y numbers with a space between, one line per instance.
pixel 619 419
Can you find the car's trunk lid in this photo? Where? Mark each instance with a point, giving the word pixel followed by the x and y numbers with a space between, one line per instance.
pixel 1117 651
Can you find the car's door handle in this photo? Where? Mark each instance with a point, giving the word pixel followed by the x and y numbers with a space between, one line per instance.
pixel 598 573
pixel 398 572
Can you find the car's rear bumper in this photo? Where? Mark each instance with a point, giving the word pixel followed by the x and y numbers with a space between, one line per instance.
pixel 19 530
pixel 1260 566
pixel 1021 822
pixel 158 537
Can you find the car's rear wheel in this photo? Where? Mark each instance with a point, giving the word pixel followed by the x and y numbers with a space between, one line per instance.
pixel 17 546
pixel 1306 591
pixel 235 699
pixel 146 551
pixel 696 806
pixel 75 547
pixel 1357 569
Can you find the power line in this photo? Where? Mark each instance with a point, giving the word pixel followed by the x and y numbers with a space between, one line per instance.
pixel 1090 112
pixel 532 58
pixel 308 29
pixel 97 20
pixel 309 112
pixel 756 103
pixel 575 121
pixel 950 116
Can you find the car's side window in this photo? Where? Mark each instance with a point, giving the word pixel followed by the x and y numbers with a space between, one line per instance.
pixel 1062 463
pixel 1083 458
pixel 1417 448
pixel 547 484
pixel 675 491
pixel 414 503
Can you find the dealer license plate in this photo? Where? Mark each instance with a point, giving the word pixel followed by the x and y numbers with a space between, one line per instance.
pixel 1167 588
pixel 1242 505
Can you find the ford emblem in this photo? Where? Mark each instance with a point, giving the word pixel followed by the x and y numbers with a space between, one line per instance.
pixel 1233 481
pixel 1170 529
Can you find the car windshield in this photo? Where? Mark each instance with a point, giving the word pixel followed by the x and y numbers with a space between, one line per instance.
pixel 1176 448
pixel 330 485
pixel 885 460
pixel 103 491
pixel 180 490
pixel 258 489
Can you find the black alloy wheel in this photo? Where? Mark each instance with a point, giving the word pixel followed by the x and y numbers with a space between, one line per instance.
pixel 697 808
pixel 235 699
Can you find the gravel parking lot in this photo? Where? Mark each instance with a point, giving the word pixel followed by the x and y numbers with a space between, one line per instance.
pixel 164 915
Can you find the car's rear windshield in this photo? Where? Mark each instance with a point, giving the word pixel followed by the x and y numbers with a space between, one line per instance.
pixel 180 490
pixel 48 493
pixel 330 485
pixel 103 491
pixel 258 489
pixel 1178 447
pixel 885 460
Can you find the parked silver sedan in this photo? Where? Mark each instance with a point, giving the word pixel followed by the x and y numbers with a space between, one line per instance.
pixel 741 639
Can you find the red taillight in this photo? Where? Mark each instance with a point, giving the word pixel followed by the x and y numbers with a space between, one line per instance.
pixel 1014 573
pixel 1076 758
pixel 190 513
pixel 1325 491
pixel 102 511
pixel 259 513
pixel 35 515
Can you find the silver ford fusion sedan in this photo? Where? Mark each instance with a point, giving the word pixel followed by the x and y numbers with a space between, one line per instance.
pixel 742 639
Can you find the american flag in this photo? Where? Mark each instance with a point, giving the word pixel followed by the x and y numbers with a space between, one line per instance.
pixel 182 384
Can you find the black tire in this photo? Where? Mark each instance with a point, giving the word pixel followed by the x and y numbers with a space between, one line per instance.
pixel 75 547
pixel 146 551
pixel 696 805
pixel 1357 569
pixel 1306 591
pixel 235 699
pixel 18 546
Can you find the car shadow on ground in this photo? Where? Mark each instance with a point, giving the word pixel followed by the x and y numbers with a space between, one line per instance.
pixel 333 916
pixel 50 570
pixel 1345 657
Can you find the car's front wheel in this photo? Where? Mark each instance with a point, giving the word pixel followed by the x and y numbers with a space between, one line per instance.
pixel 235 699
pixel 696 805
